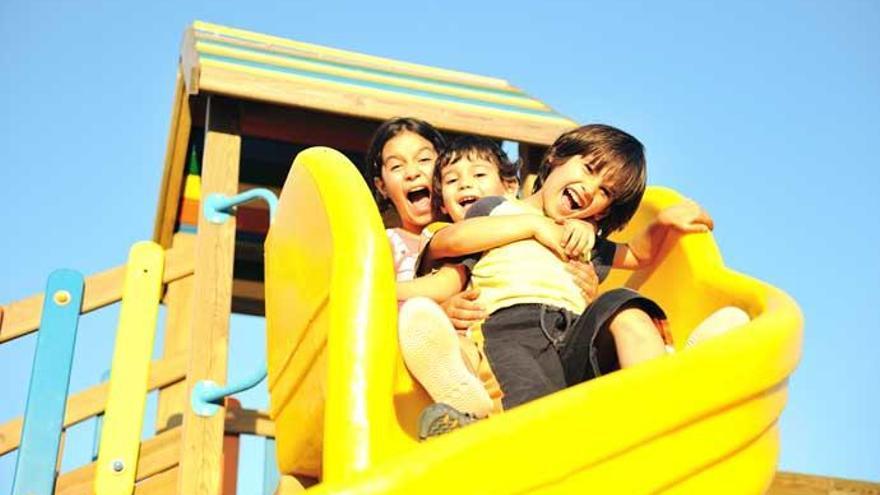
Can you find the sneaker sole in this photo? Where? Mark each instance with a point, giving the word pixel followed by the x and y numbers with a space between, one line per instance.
pixel 431 352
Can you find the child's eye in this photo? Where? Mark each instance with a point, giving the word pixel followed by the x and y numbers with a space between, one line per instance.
pixel 606 192
pixel 480 174
pixel 451 180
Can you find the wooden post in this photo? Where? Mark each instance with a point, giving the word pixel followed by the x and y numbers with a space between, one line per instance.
pixel 175 162
pixel 202 458
pixel 230 453
pixel 178 321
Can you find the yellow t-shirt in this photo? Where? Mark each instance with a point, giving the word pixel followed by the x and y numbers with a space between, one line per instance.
pixel 524 272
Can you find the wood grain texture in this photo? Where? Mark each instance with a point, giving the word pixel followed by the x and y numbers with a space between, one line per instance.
pixel 91 401
pixel 804 484
pixel 175 160
pixel 495 123
pixel 23 317
pixel 178 321
pixel 202 460
pixel 157 455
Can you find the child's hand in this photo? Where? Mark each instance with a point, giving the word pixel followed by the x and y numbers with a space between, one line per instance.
pixel 463 310
pixel 548 233
pixel 585 278
pixel 578 238
pixel 687 217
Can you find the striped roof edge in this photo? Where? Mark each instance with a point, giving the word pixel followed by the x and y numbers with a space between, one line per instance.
pixel 245 64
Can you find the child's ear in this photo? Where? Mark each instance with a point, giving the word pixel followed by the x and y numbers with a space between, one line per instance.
pixel 380 186
pixel 511 187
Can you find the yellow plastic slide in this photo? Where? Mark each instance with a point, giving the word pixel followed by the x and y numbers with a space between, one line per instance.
pixel 703 420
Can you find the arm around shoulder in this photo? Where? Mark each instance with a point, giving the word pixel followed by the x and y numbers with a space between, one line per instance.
pixel 440 285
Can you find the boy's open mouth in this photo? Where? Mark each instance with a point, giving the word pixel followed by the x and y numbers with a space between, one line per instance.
pixel 466 201
pixel 571 198
pixel 419 197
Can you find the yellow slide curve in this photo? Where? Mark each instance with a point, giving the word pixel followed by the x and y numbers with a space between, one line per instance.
pixel 703 420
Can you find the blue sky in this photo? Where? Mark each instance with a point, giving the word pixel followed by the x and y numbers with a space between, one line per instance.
pixel 765 113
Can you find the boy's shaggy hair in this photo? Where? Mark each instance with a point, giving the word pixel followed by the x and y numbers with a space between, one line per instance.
pixel 604 146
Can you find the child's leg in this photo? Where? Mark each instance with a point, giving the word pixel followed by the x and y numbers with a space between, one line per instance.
pixel 431 351
pixel 619 329
pixel 520 355
pixel 636 337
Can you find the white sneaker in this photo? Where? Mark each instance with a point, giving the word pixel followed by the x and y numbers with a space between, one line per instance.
pixel 721 321
pixel 431 351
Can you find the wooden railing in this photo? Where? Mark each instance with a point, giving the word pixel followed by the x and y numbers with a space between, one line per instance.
pixel 23 317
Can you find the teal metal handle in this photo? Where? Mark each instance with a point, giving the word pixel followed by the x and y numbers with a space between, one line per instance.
pixel 217 208
pixel 206 395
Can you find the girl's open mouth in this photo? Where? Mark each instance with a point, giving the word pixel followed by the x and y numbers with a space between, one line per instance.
pixel 420 197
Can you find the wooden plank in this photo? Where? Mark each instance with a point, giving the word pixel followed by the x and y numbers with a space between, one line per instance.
pixel 23 316
pixel 205 30
pixel 385 77
pixel 189 61
pixel 254 307
pixel 160 484
pixel 249 289
pixel 90 402
pixel 49 384
pixel 230 452
pixel 250 251
pixel 803 484
pixel 268 71
pixel 306 127
pixel 158 454
pixel 124 414
pixel 175 160
pixel 201 460
pixel 249 270
pixel 178 321
pixel 515 126
pixel 250 422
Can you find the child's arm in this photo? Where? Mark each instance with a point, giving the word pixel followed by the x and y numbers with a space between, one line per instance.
pixel 440 285
pixel 475 235
pixel 687 217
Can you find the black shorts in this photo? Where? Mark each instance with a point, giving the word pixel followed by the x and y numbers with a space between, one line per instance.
pixel 535 349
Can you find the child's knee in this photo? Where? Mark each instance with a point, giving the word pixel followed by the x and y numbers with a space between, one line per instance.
pixel 633 325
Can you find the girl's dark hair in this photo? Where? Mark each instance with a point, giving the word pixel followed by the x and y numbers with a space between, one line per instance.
pixel 471 147
pixel 604 146
pixel 388 130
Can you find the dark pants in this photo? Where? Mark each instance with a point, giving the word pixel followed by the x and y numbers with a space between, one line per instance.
pixel 534 349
